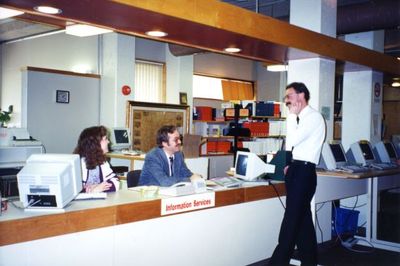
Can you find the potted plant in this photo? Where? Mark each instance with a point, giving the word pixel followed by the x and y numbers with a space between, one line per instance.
pixel 5 116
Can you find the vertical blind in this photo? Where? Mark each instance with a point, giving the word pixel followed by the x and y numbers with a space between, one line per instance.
pixel 149 78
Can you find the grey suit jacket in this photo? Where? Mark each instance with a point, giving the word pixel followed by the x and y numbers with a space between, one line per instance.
pixel 156 169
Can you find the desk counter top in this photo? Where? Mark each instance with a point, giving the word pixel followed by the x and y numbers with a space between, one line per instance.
pixel 368 174
pixel 125 156
pixel 124 206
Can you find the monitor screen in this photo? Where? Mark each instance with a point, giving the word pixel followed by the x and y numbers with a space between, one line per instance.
pixel 120 139
pixel 390 150
pixel 50 181
pixel 366 151
pixel 249 166
pixel 338 152
pixel 241 164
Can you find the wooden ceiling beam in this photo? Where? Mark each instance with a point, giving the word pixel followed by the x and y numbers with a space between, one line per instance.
pixel 213 26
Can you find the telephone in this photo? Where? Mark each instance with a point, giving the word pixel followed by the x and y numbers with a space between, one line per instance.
pixel 181 184
pixel 178 189
pixel 198 184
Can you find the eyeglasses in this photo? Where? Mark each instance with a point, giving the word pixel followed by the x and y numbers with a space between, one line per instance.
pixel 288 96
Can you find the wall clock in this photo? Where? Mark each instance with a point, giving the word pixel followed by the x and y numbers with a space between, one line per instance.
pixel 62 96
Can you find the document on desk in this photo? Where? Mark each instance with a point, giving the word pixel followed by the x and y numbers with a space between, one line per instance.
pixel 91 196
pixel 227 181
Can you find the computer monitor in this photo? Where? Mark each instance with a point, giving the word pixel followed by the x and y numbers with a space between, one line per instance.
pixel 120 138
pixel 396 142
pixel 362 152
pixel 248 166
pixel 385 152
pixel 333 156
pixel 49 181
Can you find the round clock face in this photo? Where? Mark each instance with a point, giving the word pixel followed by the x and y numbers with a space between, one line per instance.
pixel 63 96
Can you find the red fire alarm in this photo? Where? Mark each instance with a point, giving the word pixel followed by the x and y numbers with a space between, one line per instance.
pixel 126 90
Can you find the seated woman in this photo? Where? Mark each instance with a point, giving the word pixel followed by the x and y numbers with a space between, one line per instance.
pixel 97 174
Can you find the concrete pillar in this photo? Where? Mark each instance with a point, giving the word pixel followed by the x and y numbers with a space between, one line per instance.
pixel 117 63
pixel 362 96
pixel 318 74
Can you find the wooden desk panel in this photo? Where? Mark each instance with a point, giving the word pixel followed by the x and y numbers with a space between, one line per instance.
pixel 50 225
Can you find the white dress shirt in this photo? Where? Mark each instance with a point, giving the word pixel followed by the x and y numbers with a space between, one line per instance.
pixel 307 137
pixel 169 162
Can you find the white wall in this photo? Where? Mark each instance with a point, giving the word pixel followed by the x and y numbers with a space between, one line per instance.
pixel 58 125
pixel 270 85
pixel 224 66
pixel 58 51
pixel 113 55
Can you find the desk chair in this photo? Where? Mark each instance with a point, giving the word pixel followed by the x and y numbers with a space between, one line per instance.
pixel 132 178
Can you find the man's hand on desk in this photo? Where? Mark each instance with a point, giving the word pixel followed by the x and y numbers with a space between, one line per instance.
pixel 195 177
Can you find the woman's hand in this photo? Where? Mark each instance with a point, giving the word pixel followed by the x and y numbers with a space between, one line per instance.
pixel 98 187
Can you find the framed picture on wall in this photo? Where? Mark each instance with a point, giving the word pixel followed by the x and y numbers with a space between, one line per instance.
pixel 144 119
pixel 183 98
pixel 62 96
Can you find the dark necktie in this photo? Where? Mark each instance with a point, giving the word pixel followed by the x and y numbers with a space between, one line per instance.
pixel 171 165
pixel 297 120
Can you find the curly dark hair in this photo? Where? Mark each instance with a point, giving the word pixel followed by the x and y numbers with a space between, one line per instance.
pixel 89 146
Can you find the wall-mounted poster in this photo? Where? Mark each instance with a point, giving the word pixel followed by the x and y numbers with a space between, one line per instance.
pixel 144 119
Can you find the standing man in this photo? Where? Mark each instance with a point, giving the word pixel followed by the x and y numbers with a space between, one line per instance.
pixel 305 136
pixel 164 165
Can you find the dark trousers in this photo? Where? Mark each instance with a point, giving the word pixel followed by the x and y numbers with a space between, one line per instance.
pixel 297 227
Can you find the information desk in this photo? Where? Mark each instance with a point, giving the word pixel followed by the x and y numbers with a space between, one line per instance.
pixel 339 185
pixel 125 229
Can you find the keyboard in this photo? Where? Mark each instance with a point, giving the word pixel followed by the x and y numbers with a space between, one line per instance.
pixel 353 168
pixel 19 143
pixel 383 166
pixel 91 196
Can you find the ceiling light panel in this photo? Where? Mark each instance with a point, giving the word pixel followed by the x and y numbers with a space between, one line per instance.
pixel 82 30
pixel 8 13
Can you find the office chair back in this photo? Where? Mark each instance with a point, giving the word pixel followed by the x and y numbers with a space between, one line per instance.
pixel 132 178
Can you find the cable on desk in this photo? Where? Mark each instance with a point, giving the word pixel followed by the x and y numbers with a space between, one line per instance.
pixel 15 205
pixel 279 196
pixel 33 203
pixel 317 222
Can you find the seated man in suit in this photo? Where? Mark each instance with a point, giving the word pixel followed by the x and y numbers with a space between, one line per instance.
pixel 164 165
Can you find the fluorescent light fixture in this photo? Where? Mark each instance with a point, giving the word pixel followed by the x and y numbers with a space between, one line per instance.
pixel 156 33
pixel 396 84
pixel 82 30
pixel 8 13
pixel 48 10
pixel 277 68
pixel 232 50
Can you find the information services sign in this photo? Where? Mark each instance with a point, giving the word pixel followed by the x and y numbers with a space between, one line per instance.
pixel 187 203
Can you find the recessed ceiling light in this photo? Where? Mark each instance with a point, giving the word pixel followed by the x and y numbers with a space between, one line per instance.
pixel 83 30
pixel 48 10
pixel 277 68
pixel 156 33
pixel 396 84
pixel 232 50
pixel 8 13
